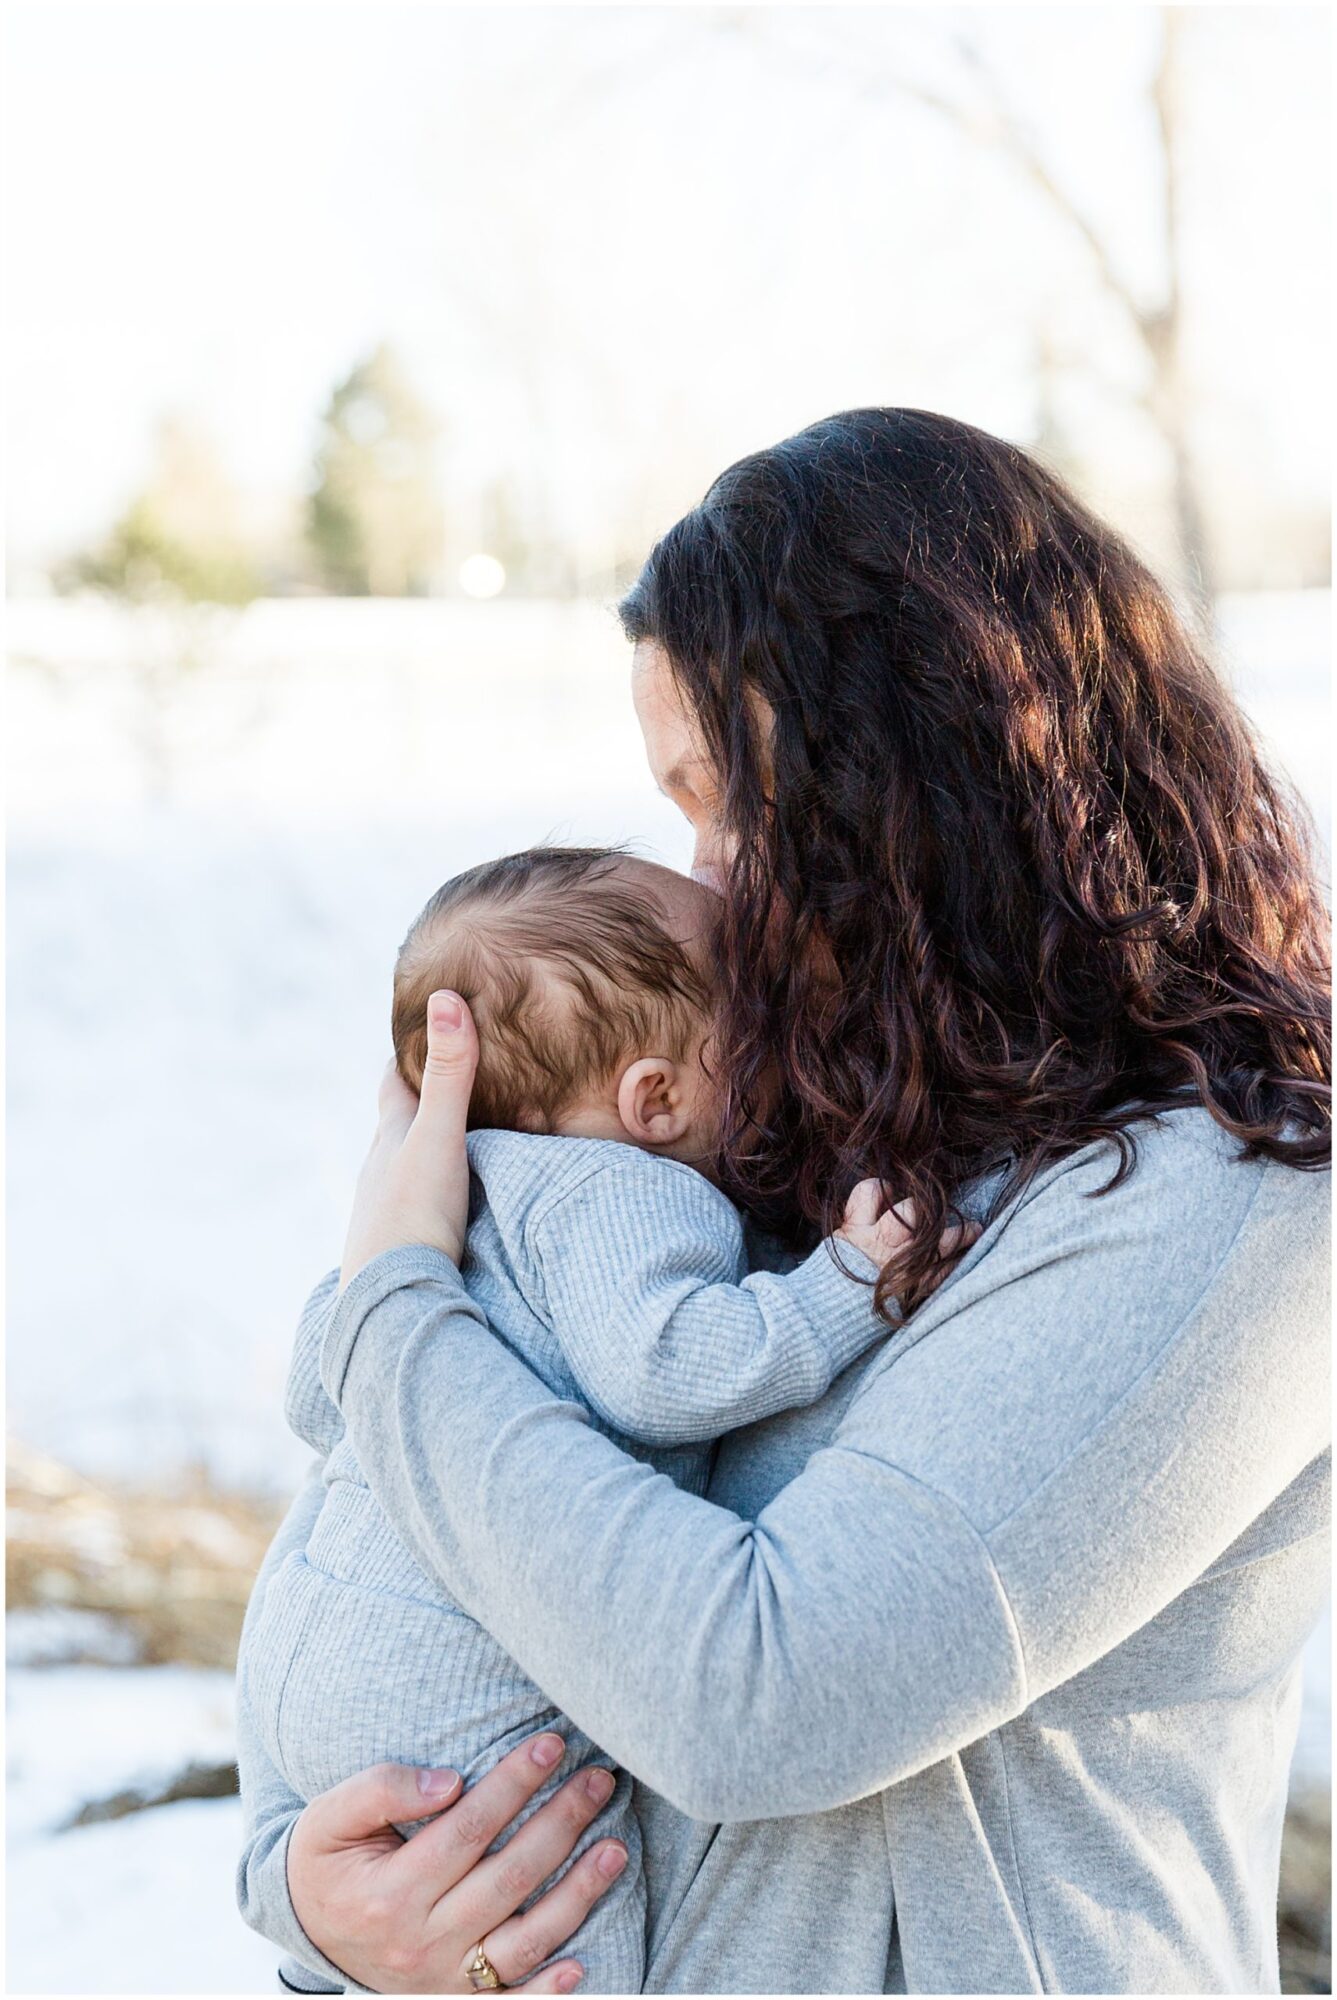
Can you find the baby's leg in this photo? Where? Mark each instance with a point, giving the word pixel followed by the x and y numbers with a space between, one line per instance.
pixel 343 1677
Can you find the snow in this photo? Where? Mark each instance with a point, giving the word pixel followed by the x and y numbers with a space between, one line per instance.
pixel 1276 651
pixel 141 1904
pixel 85 1733
pixel 1311 1769
pixel 138 1905
pixel 202 987
pixel 52 1635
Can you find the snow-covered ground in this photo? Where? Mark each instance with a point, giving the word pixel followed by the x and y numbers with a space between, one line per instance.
pixel 139 1904
pixel 198 992
pixel 82 1735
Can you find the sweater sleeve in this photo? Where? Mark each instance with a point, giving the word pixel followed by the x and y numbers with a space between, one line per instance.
pixel 667 1337
pixel 1092 1408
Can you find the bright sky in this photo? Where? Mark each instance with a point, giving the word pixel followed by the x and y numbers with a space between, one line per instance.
pixel 608 239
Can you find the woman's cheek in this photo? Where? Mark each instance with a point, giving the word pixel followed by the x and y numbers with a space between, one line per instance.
pixel 710 859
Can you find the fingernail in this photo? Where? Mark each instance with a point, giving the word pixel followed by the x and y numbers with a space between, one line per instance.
pixel 436 1784
pixel 568 1981
pixel 599 1785
pixel 547 1751
pixel 447 1012
pixel 612 1861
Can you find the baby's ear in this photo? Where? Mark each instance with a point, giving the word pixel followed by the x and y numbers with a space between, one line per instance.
pixel 651 1102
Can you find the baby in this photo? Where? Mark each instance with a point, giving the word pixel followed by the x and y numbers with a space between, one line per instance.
pixel 601 1252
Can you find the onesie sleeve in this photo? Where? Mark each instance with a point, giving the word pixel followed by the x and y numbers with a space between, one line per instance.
pixel 644 1276
pixel 310 1413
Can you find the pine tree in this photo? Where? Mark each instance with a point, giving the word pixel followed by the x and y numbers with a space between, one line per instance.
pixel 375 522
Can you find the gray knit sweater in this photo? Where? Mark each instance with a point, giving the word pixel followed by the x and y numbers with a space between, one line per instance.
pixel 621 1279
pixel 981 1674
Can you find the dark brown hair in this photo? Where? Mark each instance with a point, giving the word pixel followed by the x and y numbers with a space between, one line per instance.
pixel 1010 872
pixel 570 972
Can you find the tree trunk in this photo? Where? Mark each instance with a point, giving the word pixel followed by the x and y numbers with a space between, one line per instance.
pixel 1163 331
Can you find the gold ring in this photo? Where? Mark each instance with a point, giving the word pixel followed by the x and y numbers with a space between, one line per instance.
pixel 483 1976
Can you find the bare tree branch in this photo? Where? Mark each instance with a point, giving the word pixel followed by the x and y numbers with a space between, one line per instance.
pixel 1010 132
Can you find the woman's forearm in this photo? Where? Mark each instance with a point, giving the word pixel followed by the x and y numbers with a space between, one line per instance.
pixel 744 1670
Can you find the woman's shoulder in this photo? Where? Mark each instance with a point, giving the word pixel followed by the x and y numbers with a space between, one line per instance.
pixel 1185 1175
pixel 1115 1322
pixel 1192 1229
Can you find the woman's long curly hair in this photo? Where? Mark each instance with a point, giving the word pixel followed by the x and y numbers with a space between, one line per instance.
pixel 1008 870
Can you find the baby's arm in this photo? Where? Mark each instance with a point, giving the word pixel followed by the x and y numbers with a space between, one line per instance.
pixel 309 1411
pixel 668 1338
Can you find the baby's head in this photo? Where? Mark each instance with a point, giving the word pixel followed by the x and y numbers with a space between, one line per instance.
pixel 588 974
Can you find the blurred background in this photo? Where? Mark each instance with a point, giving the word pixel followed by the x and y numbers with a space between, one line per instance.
pixel 358 354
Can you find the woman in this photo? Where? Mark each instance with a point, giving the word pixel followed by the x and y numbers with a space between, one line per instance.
pixel 981 1675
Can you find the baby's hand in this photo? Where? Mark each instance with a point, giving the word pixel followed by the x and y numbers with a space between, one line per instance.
pixel 882 1230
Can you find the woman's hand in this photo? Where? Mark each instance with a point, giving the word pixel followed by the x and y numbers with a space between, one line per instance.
pixel 414 1184
pixel 406 1916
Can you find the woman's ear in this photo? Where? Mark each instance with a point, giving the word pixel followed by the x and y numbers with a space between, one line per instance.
pixel 651 1102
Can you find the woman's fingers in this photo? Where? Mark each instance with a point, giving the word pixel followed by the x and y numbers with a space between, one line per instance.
pixel 395 1101
pixel 414 1184
pixel 448 1071
pixel 379 1798
pixel 446 1850
pixel 564 1977
pixel 525 1941
pixel 477 1891
pixel 501 1882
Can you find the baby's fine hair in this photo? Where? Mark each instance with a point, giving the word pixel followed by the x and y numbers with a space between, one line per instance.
pixel 569 969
